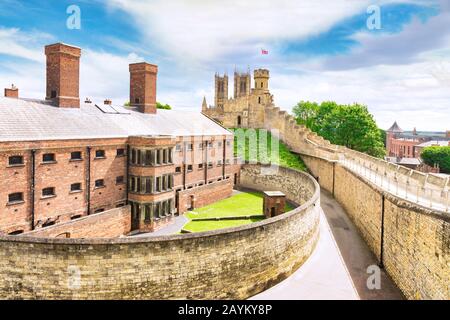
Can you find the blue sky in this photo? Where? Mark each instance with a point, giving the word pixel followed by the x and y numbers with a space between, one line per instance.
pixel 318 50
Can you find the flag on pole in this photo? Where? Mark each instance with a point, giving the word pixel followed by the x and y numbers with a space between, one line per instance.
pixel 264 51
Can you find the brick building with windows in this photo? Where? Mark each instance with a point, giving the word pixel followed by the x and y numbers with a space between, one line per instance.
pixel 62 159
pixel 405 148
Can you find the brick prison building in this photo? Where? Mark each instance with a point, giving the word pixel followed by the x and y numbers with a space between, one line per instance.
pixel 62 159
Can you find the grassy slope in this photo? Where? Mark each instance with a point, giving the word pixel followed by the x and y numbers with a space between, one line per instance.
pixel 286 157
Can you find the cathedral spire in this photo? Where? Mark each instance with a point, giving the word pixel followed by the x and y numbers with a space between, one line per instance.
pixel 204 104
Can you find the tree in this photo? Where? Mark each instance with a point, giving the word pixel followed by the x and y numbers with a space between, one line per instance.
pixel 163 106
pixel 158 105
pixel 349 125
pixel 437 155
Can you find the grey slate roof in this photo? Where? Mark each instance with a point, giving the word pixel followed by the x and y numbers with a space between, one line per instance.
pixel 32 120
pixel 409 161
pixel 395 128
pixel 441 143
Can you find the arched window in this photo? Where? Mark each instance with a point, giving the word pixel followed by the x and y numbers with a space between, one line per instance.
pixel 239 121
pixel 259 100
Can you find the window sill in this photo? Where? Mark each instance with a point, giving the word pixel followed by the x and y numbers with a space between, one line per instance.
pixel 121 156
pixel 75 160
pixel 15 165
pixel 75 191
pixel 14 203
pixel 120 183
pixel 95 188
pixel 151 165
pixel 99 158
pixel 48 197
pixel 47 162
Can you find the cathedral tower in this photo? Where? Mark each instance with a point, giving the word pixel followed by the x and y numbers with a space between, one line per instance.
pixel 241 84
pixel 221 90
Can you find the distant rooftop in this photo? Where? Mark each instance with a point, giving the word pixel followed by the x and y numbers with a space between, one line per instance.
pixel 395 128
pixel 441 143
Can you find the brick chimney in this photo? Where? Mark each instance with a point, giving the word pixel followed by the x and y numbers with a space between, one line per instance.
pixel 12 92
pixel 63 75
pixel 143 86
pixel 107 101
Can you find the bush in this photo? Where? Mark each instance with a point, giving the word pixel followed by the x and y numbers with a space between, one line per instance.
pixel 437 155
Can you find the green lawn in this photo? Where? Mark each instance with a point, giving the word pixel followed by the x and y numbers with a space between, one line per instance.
pixel 285 157
pixel 241 204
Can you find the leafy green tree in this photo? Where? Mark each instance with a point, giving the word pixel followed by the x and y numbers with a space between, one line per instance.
pixel 437 155
pixel 349 125
pixel 306 113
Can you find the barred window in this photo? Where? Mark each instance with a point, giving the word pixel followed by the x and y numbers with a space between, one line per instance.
pixel 15 160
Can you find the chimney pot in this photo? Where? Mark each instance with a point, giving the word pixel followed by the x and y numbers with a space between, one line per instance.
pixel 63 75
pixel 87 100
pixel 12 92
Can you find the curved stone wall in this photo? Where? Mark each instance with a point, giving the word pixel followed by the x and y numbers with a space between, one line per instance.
pixel 232 263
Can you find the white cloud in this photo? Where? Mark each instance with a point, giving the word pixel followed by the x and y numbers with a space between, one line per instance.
pixel 102 75
pixel 205 30
pixel 410 94
pixel 20 44
pixel 399 76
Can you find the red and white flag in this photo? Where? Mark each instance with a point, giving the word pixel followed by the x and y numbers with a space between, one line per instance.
pixel 264 51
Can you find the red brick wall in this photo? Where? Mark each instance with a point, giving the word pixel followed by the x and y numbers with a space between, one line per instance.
pixel 65 172
pixel 109 224
pixel 108 169
pixel 203 156
pixel 14 179
pixel 59 175
pixel 205 195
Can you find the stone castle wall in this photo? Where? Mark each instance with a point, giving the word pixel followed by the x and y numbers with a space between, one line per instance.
pixel 231 263
pixel 412 242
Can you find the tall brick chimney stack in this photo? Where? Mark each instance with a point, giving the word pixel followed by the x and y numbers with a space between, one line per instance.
pixel 143 86
pixel 63 75
pixel 12 92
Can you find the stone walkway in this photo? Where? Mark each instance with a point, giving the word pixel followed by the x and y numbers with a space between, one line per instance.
pixel 337 267
pixel 323 276
pixel 356 253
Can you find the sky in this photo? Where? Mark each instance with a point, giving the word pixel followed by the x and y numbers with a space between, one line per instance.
pixel 397 63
